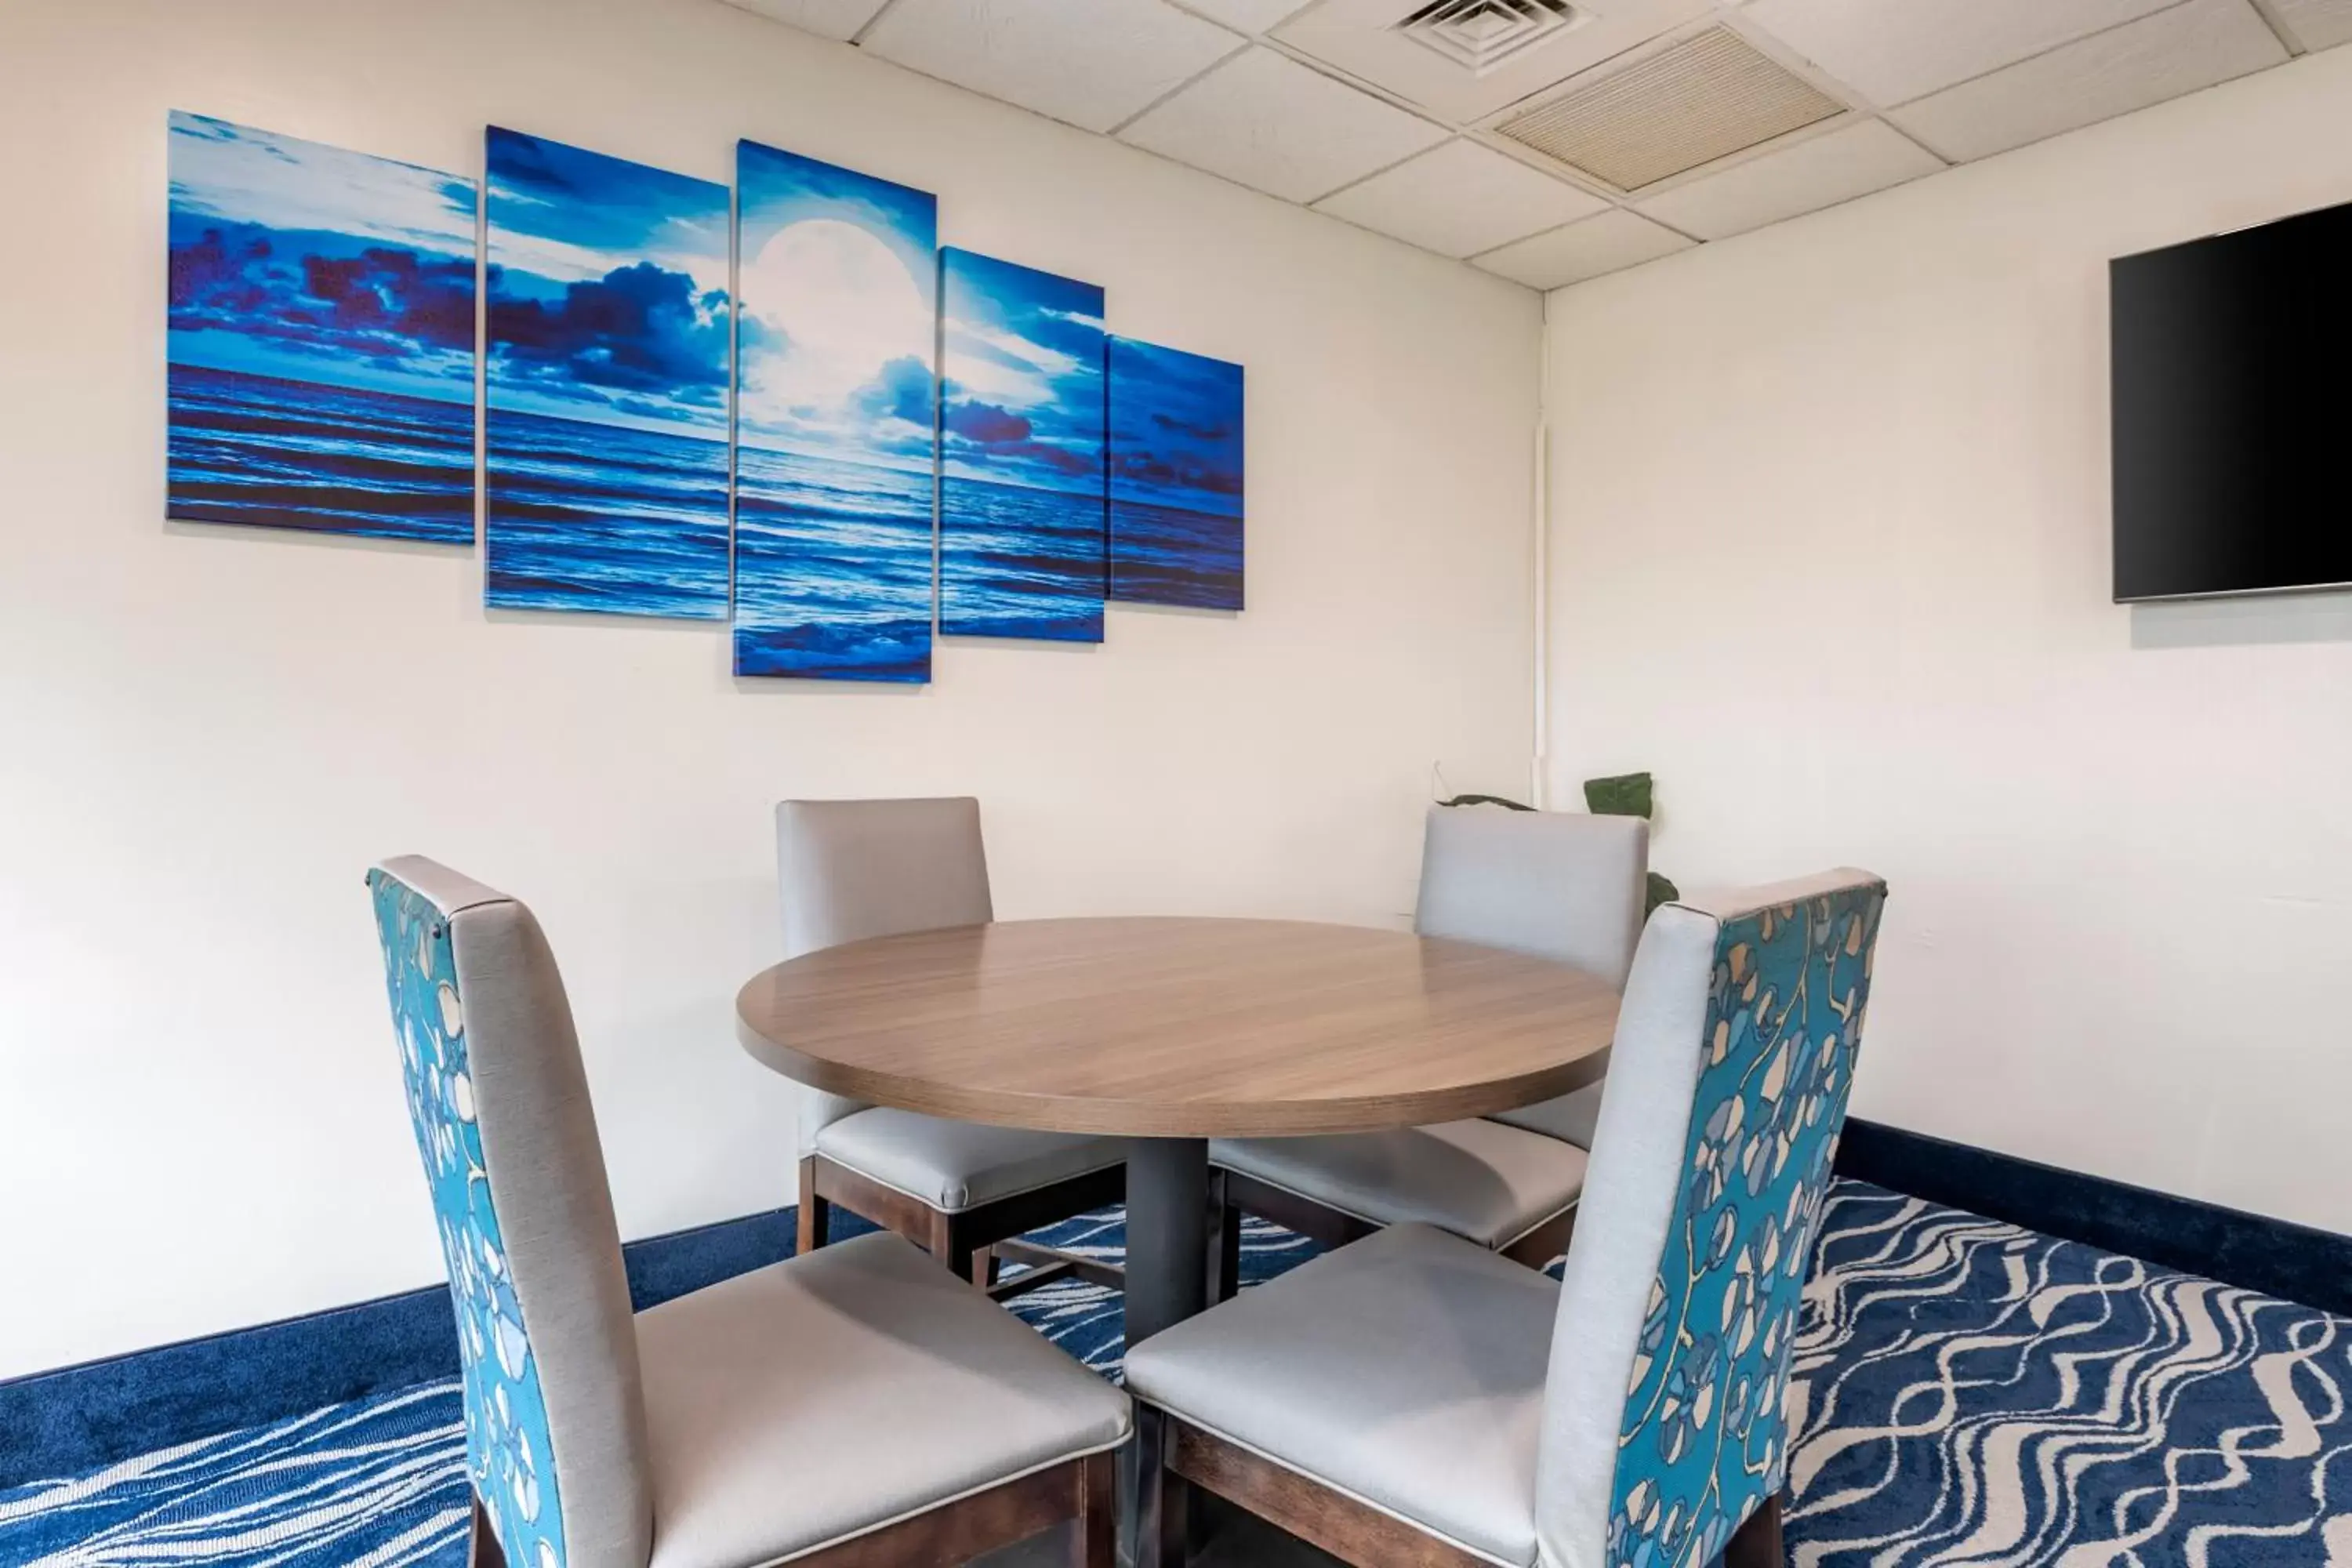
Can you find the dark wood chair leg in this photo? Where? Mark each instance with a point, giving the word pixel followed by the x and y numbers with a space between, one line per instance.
pixel 950 1243
pixel 1291 1212
pixel 1547 1241
pixel 482 1548
pixel 1757 1544
pixel 1162 1498
pixel 962 1241
pixel 1094 1533
pixel 1225 1242
pixel 815 1214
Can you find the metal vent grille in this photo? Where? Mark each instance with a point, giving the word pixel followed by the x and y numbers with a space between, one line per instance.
pixel 1479 35
pixel 1705 98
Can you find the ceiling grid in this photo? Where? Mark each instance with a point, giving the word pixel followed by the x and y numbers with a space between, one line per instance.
pixel 1553 141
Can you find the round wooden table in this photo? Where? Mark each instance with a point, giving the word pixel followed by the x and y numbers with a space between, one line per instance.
pixel 1173 1031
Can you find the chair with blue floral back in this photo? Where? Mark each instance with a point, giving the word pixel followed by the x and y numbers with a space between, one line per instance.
pixel 1414 1399
pixel 853 1407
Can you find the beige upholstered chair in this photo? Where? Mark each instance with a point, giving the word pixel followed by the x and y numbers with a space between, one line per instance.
pixel 1414 1399
pixel 849 869
pixel 854 1407
pixel 1563 886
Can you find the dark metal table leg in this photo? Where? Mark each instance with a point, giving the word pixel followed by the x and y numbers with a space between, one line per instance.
pixel 1167 1274
pixel 1167 1232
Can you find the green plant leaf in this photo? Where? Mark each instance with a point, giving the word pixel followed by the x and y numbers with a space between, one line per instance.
pixel 1487 800
pixel 1661 892
pixel 1623 794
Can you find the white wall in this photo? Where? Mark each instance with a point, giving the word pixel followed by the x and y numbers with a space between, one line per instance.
pixel 1831 555
pixel 206 736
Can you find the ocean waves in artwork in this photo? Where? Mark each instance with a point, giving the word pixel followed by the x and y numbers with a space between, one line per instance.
pixel 605 517
pixel 1021 562
pixel 1170 555
pixel 1177 429
pixel 274 452
pixel 833 568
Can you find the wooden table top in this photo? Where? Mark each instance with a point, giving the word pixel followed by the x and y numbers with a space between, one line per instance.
pixel 1180 1027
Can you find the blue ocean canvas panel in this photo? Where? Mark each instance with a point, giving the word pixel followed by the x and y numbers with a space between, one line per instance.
pixel 835 421
pixel 321 338
pixel 607 381
pixel 1022 491
pixel 1175 478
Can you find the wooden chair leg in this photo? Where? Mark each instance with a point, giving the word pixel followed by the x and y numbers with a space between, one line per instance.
pixel 816 1212
pixel 1225 1242
pixel 1162 1498
pixel 952 1246
pixel 482 1548
pixel 1547 1241
pixel 984 1268
pixel 1094 1533
pixel 1757 1544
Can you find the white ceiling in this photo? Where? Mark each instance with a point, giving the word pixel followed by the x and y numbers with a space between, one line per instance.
pixel 1263 119
pixel 1329 104
pixel 1461 199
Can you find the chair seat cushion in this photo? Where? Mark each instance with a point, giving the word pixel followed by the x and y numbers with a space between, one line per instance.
pixel 1572 1118
pixel 1406 1370
pixel 957 1165
pixel 839 1391
pixel 1481 1180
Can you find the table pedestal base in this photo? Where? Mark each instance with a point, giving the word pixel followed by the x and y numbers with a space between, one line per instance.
pixel 1166 1268
pixel 1167 1232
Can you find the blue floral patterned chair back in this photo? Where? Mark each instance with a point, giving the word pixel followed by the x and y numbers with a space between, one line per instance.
pixel 1664 1424
pixel 554 1417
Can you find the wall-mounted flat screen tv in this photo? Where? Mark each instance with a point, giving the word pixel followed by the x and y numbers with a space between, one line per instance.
pixel 2232 359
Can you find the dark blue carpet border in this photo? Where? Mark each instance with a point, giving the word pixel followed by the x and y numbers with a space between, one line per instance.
pixel 81 1419
pixel 2275 1257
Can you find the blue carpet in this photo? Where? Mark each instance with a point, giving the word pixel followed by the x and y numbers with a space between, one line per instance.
pixel 1968 1392
pixel 1964 1392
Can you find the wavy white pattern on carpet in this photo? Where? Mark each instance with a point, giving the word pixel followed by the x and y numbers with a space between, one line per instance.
pixel 1965 1393
pixel 1969 1393
pixel 370 1484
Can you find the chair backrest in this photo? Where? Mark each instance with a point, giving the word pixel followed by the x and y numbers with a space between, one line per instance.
pixel 1664 1427
pixel 554 1410
pixel 1560 885
pixel 848 869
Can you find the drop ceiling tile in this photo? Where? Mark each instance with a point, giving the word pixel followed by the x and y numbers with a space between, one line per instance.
pixel 1093 63
pixel 1264 121
pixel 2174 52
pixel 1893 54
pixel 1814 173
pixel 1460 199
pixel 1702 99
pixel 1249 15
pixel 1361 37
pixel 2317 24
pixel 826 18
pixel 1609 243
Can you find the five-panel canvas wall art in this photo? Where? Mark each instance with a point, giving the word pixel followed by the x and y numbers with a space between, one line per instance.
pixel 783 406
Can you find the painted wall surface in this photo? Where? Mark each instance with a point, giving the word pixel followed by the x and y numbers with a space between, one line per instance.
pixel 1829 553
pixel 210 733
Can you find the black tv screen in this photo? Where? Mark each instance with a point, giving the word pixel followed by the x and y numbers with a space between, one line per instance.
pixel 2230 360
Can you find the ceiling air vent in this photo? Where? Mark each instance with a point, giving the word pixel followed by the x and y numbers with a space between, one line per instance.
pixel 1479 35
pixel 1705 98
